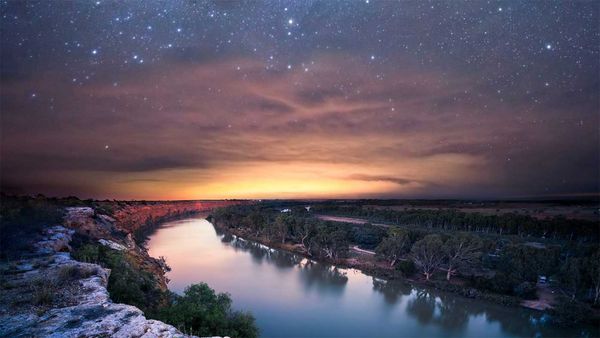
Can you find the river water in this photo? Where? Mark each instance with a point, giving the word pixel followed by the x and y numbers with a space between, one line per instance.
pixel 293 297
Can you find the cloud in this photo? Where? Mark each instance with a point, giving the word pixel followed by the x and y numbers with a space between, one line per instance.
pixel 189 124
pixel 371 178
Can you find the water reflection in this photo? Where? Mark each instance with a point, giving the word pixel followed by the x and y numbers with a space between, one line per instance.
pixel 313 275
pixel 292 296
pixel 392 290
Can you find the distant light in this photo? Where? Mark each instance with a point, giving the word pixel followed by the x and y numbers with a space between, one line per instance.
pixel 291 21
pixel 95 51
pixel 178 30
pixel 548 46
pixel 499 9
pixel 106 147
pixel 289 66
pixel 372 57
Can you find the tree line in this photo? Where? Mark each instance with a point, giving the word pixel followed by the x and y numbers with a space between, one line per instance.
pixel 490 262
pixel 455 220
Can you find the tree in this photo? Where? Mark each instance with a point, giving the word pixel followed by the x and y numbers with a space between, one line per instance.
pixel 428 254
pixel 594 271
pixel 394 246
pixel 305 230
pixel 461 251
pixel 331 242
pixel 570 276
pixel 200 311
pixel 283 223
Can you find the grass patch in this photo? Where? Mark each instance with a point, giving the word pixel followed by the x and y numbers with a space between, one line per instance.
pixel 43 290
pixel 74 272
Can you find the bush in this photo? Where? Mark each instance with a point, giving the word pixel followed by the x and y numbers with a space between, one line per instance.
pixel 88 253
pixel 127 282
pixel 72 272
pixel 43 291
pixel 202 312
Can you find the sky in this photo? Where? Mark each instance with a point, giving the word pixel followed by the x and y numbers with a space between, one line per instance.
pixel 300 99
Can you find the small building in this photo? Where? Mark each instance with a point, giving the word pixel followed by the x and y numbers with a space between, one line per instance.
pixel 286 210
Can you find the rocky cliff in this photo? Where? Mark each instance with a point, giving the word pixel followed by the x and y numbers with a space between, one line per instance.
pixel 48 293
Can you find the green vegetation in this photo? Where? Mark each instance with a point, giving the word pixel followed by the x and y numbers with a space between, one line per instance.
pixel 199 311
pixel 454 220
pixel 498 257
pixel 202 312
pixel 127 283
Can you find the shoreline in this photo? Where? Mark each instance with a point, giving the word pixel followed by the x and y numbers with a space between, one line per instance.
pixel 378 271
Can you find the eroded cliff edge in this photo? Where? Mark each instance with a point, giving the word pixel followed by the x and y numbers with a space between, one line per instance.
pixel 49 293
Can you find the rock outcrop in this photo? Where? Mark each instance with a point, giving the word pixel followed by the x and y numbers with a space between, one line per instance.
pixel 49 294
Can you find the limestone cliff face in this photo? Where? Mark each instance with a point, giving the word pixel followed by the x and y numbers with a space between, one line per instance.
pixel 132 216
pixel 80 304
pixel 110 232
pixel 49 294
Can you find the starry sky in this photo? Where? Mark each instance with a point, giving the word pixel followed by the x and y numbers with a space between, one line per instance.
pixel 300 99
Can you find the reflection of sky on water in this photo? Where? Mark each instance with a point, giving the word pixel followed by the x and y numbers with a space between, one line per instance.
pixel 294 297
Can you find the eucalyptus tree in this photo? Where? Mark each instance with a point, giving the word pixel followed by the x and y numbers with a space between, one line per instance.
pixel 461 251
pixel 394 246
pixel 428 254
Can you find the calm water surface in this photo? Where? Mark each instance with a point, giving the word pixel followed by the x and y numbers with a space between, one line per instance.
pixel 292 297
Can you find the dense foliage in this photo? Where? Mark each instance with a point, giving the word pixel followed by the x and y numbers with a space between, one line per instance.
pixel 454 220
pixel 127 283
pixel 199 311
pixel 202 312
pixel 504 254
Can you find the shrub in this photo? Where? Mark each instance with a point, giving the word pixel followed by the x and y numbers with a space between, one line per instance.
pixel 200 311
pixel 88 253
pixel 127 282
pixel 72 272
pixel 43 291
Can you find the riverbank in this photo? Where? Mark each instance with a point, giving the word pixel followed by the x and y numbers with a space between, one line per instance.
pixel 48 293
pixel 367 264
pixel 77 268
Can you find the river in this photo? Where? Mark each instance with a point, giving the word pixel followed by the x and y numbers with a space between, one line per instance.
pixel 293 297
